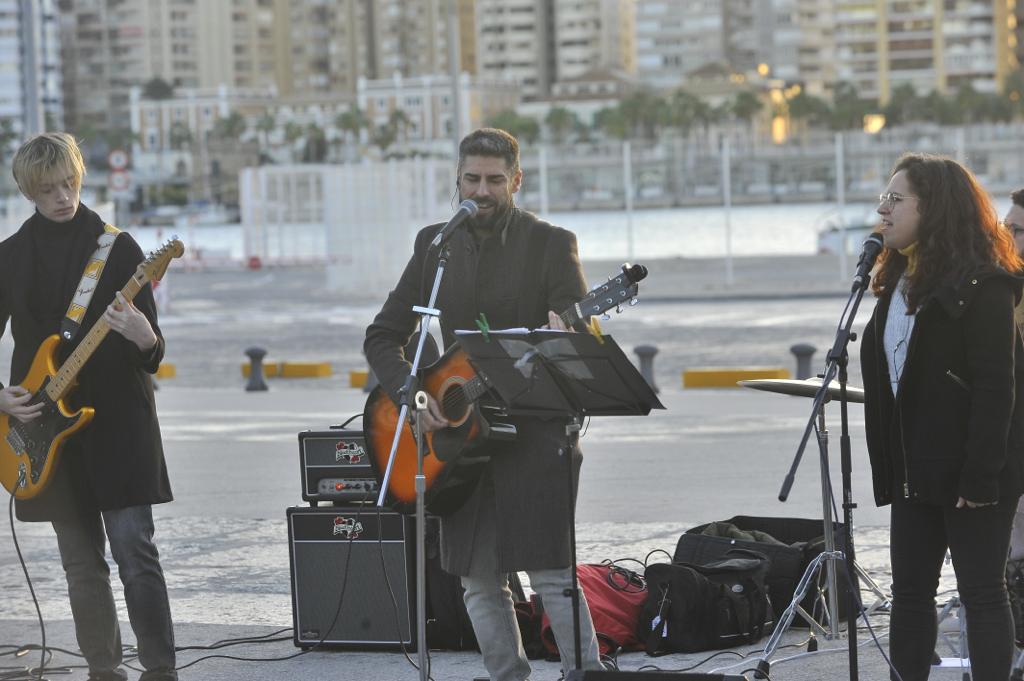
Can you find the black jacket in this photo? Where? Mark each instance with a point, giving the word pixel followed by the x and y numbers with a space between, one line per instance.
pixel 514 283
pixel 956 428
pixel 117 461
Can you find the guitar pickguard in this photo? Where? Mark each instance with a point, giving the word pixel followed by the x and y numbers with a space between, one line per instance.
pixel 34 439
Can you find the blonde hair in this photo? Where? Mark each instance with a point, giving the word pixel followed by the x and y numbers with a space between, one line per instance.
pixel 44 158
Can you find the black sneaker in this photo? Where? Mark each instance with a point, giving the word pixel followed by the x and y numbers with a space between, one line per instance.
pixel 112 675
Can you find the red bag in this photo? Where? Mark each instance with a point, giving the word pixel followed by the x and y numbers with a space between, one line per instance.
pixel 615 596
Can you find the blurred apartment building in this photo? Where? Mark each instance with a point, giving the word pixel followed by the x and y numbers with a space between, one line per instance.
pixel 927 44
pixel 304 53
pixel 30 66
pixel 876 45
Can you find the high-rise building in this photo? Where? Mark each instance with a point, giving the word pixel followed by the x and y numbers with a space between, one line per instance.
pixel 677 37
pixel 321 46
pixel 30 78
pixel 294 47
pixel 816 52
pixel 941 46
pixel 514 40
pixel 591 35
pixel 111 46
pixel 672 40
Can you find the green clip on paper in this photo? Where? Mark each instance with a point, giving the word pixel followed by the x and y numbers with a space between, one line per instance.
pixel 484 327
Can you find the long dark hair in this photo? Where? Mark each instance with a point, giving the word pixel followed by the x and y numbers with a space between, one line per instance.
pixel 959 232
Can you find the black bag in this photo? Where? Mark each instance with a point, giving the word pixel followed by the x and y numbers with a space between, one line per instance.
pixel 801 541
pixel 692 607
pixel 448 623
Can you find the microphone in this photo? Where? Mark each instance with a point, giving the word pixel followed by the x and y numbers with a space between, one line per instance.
pixel 869 253
pixel 467 209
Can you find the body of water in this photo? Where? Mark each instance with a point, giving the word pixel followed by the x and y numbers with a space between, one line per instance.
pixel 775 229
pixel 772 229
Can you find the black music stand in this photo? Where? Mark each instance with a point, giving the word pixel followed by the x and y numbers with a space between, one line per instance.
pixel 559 374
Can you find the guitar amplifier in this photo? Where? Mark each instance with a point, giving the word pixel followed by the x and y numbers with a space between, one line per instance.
pixel 335 467
pixel 352 578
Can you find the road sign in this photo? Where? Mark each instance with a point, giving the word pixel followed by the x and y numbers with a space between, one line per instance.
pixel 119 181
pixel 117 159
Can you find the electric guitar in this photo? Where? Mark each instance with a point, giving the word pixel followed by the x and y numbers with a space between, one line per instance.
pixel 452 462
pixel 30 452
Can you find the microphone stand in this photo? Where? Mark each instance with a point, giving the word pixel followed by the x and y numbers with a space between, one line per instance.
pixel 837 361
pixel 410 388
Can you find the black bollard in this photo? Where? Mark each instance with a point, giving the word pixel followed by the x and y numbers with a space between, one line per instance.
pixel 803 352
pixel 646 354
pixel 256 379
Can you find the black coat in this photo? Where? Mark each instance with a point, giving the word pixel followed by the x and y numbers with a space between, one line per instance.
pixel 957 426
pixel 514 281
pixel 117 461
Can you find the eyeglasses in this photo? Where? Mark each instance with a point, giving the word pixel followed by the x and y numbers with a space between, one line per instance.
pixel 1015 229
pixel 890 199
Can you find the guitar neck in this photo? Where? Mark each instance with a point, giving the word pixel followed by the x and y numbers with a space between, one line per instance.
pixel 569 317
pixel 65 378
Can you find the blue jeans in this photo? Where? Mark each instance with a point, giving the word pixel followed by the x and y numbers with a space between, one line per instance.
pixel 978 540
pixel 82 545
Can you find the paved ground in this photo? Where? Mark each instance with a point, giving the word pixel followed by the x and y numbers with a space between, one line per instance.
pixel 234 462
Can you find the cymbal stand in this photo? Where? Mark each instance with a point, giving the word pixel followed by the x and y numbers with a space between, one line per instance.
pixel 836 363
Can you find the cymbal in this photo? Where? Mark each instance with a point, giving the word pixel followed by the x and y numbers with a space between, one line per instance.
pixel 806 388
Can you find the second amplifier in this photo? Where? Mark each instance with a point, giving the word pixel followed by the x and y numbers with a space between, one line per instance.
pixel 335 466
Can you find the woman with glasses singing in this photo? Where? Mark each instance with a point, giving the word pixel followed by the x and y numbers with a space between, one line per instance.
pixel 943 370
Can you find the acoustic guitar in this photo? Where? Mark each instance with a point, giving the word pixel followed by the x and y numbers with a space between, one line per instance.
pixel 453 457
pixel 30 452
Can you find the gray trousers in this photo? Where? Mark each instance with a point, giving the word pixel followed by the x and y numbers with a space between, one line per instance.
pixel 82 544
pixel 489 603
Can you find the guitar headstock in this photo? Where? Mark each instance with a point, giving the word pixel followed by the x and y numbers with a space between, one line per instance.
pixel 154 267
pixel 622 288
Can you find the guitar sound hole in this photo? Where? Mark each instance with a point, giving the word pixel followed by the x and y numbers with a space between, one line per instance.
pixel 454 403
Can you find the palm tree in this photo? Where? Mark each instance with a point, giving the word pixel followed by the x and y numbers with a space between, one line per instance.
pixel 231 128
pixel 814 110
pixel 293 132
pixel 643 113
pixel 746 105
pixel 264 126
pixel 315 149
pixel 685 109
pixel 560 122
pixel 384 136
pixel 157 88
pixel 848 109
pixel 521 127
pixel 611 121
pixel 400 122
pixel 7 137
pixel 351 122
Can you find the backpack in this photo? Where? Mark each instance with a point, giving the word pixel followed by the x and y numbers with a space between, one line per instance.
pixel 690 607
pixel 614 597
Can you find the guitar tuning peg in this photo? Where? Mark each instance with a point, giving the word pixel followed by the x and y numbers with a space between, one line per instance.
pixel 605 317
pixel 618 309
pixel 633 301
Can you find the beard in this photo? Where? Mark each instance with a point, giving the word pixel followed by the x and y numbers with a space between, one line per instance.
pixel 493 221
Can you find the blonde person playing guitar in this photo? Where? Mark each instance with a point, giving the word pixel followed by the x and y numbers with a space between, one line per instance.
pixel 110 472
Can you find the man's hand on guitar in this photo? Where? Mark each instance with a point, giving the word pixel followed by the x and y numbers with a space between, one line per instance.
pixel 125 318
pixel 433 418
pixel 555 322
pixel 14 402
